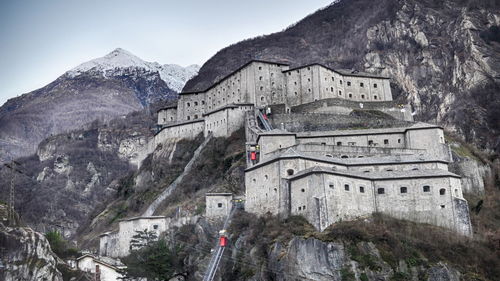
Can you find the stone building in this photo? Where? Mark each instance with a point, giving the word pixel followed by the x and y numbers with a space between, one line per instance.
pixel 103 269
pixel 316 164
pixel 117 243
pixel 220 108
pixel 218 205
pixel 330 176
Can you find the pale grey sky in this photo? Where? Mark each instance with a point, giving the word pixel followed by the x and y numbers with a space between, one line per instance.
pixel 41 39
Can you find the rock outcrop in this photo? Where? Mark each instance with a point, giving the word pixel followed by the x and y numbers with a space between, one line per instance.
pixel 26 256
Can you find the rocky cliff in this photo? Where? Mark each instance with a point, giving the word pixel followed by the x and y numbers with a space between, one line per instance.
pixel 74 173
pixel 101 89
pixel 443 56
pixel 26 256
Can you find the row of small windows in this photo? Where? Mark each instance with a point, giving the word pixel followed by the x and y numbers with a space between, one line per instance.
pixel 381 190
pixel 194 117
pixel 188 104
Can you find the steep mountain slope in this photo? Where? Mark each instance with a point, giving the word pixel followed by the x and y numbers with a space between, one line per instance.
pixel 71 174
pixel 102 89
pixel 443 56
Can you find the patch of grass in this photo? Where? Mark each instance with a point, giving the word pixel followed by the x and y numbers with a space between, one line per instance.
pixel 347 275
pixel 119 212
pixel 418 245
pixel 400 276
pixel 364 260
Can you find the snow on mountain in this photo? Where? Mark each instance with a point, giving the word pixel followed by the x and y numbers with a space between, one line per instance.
pixel 120 60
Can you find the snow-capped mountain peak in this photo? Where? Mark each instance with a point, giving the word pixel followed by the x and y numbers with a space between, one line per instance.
pixel 120 60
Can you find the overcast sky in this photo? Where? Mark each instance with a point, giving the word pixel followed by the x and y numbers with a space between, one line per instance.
pixel 41 39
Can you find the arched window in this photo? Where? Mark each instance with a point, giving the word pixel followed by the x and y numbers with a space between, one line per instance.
pixel 426 188
pixel 403 189
pixel 346 187
pixel 362 189
pixel 289 172
pixel 442 191
pixel 188 104
pixel 303 190
pixel 344 156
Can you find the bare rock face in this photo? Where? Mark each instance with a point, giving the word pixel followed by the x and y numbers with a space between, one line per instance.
pixel 26 256
pixel 312 259
pixel 443 56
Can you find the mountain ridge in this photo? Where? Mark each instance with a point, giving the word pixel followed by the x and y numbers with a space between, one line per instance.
pixel 101 89
pixel 443 57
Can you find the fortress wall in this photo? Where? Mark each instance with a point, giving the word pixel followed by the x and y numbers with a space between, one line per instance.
pixel 269 84
pixel 417 205
pixel 226 121
pixel 262 194
pixel 327 201
pixel 171 115
pixel 318 149
pixel 272 143
pixel 328 122
pixel 332 198
pixel 293 88
pixel 431 140
pixel 191 106
pixel 314 106
pixel 393 140
pixel 167 116
pixel 401 167
pixel 162 117
pixel 187 130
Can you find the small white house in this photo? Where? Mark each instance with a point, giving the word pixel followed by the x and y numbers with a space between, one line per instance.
pixel 102 270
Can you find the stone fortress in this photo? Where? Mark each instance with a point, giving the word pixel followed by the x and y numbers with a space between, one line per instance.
pixel 329 145
pixel 331 158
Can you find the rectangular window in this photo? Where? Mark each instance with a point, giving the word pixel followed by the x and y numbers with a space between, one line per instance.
pixel 427 188
pixel 375 85
pixel 386 141
pixel 381 191
pixel 361 84
pixel 362 189
pixel 346 187
pixel 348 83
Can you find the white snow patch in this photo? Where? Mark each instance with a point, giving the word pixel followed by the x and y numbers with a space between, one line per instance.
pixel 119 59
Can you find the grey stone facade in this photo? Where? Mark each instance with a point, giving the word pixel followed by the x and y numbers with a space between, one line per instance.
pixel 315 164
